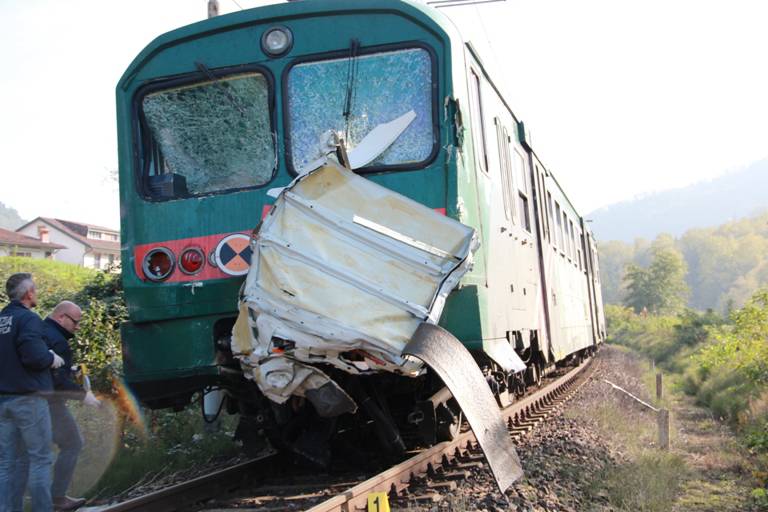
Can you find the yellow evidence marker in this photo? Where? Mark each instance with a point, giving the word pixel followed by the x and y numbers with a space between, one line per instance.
pixel 378 502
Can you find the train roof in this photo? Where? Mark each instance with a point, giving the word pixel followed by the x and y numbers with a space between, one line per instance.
pixel 284 11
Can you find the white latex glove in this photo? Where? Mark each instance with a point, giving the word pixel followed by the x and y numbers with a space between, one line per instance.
pixel 91 400
pixel 58 362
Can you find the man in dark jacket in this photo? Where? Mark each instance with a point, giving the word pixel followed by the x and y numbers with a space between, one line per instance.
pixel 25 364
pixel 60 326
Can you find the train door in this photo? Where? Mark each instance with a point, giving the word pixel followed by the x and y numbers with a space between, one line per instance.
pixel 508 228
pixel 528 264
pixel 589 272
pixel 491 204
pixel 543 240
pixel 598 292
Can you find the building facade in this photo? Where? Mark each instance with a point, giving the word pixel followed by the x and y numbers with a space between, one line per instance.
pixel 18 244
pixel 82 244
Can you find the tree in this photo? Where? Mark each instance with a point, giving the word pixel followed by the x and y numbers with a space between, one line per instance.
pixel 660 288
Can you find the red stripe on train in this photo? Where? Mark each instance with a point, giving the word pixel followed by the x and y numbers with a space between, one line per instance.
pixel 207 244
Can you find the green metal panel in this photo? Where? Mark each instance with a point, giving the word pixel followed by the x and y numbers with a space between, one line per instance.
pixel 170 349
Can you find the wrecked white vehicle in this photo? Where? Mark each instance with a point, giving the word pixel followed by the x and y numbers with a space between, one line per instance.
pixel 343 273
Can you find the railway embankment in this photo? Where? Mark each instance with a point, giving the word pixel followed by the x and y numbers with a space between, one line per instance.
pixel 601 453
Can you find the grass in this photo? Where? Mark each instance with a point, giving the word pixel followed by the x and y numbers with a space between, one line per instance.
pixel 119 457
pixel 647 479
pixel 648 483
pixel 707 468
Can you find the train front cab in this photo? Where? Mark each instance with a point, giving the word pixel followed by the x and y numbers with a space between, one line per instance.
pixel 192 191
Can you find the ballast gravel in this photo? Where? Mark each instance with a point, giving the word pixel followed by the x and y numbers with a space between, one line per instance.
pixel 563 457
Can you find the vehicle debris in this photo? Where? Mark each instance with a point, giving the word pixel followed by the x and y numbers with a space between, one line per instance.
pixel 345 273
pixel 454 364
pixel 343 268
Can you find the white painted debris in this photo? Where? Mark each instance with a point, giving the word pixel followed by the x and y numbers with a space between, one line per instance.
pixel 343 272
pixel 378 140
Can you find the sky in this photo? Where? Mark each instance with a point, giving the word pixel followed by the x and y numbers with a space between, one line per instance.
pixel 621 98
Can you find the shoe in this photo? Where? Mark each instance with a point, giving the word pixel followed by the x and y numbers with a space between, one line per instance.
pixel 66 503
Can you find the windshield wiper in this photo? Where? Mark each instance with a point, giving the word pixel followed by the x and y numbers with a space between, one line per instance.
pixel 354 47
pixel 213 78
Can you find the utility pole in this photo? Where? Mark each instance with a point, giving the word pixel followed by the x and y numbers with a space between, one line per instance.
pixel 213 8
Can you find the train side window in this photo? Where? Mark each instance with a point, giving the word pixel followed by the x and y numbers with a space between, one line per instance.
pixel 522 184
pixel 551 220
pixel 478 123
pixel 544 207
pixel 559 228
pixel 595 264
pixel 573 242
pixel 566 242
pixel 504 168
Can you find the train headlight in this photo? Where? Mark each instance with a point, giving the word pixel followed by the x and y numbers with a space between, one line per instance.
pixel 276 41
pixel 158 264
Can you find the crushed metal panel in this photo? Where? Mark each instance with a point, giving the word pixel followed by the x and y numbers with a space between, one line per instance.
pixel 504 355
pixel 342 264
pixel 455 366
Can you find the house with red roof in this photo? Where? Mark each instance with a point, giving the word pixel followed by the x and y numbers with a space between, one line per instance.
pixel 18 244
pixel 87 245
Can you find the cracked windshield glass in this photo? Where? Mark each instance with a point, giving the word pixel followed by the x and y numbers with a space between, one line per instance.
pixel 215 134
pixel 371 90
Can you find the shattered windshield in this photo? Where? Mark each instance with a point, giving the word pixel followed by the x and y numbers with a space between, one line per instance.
pixel 214 135
pixel 371 89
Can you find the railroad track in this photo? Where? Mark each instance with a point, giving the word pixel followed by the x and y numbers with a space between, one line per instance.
pixel 448 461
pixel 431 471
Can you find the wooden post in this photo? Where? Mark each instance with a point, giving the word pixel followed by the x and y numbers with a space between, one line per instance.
pixel 652 365
pixel 663 420
pixel 659 390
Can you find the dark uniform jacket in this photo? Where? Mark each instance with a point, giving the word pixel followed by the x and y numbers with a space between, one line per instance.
pixel 24 358
pixel 57 339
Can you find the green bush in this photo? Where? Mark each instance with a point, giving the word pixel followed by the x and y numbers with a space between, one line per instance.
pixel 734 364
pixel 99 293
pixel 98 342
pixel 55 281
pixel 756 435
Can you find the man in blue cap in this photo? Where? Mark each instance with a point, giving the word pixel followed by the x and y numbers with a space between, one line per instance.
pixel 25 379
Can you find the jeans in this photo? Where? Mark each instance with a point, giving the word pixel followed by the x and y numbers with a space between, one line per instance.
pixel 67 437
pixel 26 419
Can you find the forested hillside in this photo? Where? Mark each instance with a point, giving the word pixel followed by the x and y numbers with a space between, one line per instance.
pixel 722 266
pixel 9 217
pixel 728 197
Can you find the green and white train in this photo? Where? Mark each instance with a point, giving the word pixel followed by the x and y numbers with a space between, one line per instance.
pixel 214 115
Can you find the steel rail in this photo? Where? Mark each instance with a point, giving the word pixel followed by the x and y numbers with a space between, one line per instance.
pixel 181 496
pixel 397 477
pixel 520 416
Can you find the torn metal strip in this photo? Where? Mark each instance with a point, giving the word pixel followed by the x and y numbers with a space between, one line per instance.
pixel 394 235
pixel 455 366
